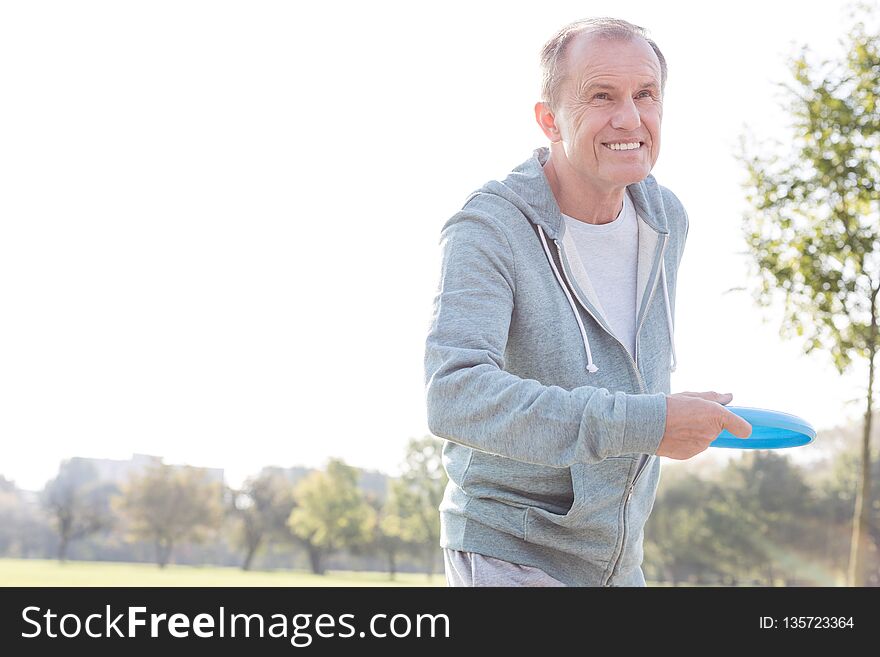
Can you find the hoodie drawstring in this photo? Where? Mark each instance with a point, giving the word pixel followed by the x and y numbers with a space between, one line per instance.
pixel 591 367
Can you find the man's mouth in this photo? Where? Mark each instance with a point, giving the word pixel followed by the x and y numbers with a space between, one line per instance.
pixel 624 145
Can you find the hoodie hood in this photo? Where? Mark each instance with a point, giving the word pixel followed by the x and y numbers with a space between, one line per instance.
pixel 527 188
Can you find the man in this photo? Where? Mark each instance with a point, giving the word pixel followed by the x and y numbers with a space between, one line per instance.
pixel 547 364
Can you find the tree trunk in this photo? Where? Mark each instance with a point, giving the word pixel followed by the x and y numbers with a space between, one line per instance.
pixel 315 559
pixel 861 514
pixel 65 528
pixel 163 552
pixel 429 558
pixel 62 548
pixel 392 566
pixel 249 557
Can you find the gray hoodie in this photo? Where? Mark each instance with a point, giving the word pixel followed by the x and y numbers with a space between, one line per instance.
pixel 551 426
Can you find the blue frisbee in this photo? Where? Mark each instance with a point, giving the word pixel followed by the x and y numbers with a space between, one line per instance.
pixel 770 430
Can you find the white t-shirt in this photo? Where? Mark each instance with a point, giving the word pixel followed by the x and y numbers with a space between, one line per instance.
pixel 610 255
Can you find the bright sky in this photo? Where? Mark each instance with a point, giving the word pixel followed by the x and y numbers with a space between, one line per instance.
pixel 219 221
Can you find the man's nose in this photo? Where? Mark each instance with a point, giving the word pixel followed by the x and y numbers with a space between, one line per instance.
pixel 626 116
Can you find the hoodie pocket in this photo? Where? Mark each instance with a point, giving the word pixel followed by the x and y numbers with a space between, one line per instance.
pixel 498 490
pixel 590 528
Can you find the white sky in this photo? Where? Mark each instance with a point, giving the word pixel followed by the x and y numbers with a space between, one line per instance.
pixel 219 221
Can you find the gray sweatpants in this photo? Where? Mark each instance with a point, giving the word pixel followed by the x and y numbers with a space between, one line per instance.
pixel 472 569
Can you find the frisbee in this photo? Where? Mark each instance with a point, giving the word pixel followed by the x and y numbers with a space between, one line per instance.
pixel 770 430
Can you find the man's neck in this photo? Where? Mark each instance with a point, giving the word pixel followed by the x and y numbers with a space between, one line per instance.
pixel 580 201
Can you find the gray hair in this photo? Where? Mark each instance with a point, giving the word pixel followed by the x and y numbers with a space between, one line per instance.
pixel 554 51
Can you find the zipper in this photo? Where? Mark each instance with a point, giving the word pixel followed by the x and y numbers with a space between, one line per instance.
pixel 635 366
pixel 629 495
pixel 604 328
pixel 638 331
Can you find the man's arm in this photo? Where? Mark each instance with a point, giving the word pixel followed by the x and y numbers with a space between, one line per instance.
pixel 472 401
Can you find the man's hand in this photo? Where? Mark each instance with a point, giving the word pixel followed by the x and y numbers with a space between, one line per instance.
pixel 694 420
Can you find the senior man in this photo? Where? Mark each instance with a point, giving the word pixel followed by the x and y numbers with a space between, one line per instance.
pixel 548 360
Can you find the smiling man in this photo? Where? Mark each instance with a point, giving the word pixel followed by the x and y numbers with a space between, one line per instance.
pixel 603 119
pixel 548 360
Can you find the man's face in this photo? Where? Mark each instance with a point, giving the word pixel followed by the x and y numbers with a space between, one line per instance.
pixel 609 110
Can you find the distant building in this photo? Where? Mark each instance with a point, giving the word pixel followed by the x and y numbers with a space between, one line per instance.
pixel 118 471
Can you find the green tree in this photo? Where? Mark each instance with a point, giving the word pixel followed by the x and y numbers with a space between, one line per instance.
pixel 9 509
pixel 813 228
pixel 701 531
pixel 390 536
pixel 775 489
pixel 261 508
pixel 423 480
pixel 78 503
pixel 168 505
pixel 772 491
pixel 735 530
pixel 331 513
pixel 835 500
pixel 676 535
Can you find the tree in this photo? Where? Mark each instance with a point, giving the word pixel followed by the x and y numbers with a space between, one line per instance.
pixel 778 489
pixel 78 503
pixel 262 507
pixel 168 505
pixel 10 512
pixel 813 229
pixel 423 481
pixel 331 513
pixel 675 535
pixel 389 532
pixel 772 491
pixel 836 494
pixel 700 531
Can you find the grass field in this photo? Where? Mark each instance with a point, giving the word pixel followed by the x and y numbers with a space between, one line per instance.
pixel 42 572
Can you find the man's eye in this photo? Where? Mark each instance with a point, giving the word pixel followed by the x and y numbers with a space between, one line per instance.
pixel 644 94
pixel 600 96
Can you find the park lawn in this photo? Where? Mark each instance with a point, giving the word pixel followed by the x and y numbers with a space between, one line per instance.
pixel 44 572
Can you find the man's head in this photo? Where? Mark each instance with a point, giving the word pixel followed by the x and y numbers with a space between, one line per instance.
pixel 601 106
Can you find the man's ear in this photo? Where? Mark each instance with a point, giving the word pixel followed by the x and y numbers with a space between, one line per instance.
pixel 547 121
